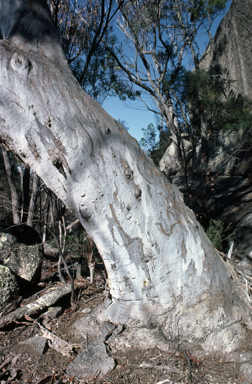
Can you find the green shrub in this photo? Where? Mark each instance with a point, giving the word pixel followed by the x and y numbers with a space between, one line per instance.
pixel 215 232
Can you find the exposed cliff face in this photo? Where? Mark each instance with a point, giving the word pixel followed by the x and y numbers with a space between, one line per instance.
pixel 229 54
pixel 228 199
pixel 230 50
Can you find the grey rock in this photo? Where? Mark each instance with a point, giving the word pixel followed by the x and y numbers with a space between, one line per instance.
pixel 89 326
pixel 170 164
pixel 8 285
pixel 244 361
pixel 23 260
pixel 52 313
pixel 245 263
pixel 39 342
pixel 7 242
pixel 141 338
pixel 86 327
pixel 106 329
pixel 26 262
pixel 50 251
pixel 91 362
pixel 246 372
pixel 227 153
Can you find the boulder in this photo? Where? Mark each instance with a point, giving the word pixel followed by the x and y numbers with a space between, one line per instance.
pixel 93 361
pixel 25 234
pixel 37 342
pixel 8 285
pixel 169 164
pixel 22 259
pixel 90 327
pixel 50 251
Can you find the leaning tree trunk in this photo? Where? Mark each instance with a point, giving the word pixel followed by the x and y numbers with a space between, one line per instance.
pixel 161 266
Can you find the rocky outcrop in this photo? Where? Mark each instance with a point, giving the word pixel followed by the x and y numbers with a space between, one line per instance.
pixel 229 51
pixel 23 260
pixel 8 285
pixel 229 56
pixel 228 154
pixel 169 164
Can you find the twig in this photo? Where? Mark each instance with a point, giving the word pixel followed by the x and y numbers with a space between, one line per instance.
pixel 70 226
pixel 55 342
pixel 167 381
pixel 230 251
pixel 246 283
pixel 11 359
pixel 7 361
pixel 159 367
pixel 189 365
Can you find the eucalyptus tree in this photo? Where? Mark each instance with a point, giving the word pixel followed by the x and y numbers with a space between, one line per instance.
pixel 81 27
pixel 163 37
pixel 162 269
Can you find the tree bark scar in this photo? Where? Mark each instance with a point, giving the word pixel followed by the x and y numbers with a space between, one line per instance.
pixel 54 147
pixel 21 64
pixel 33 147
pixel 85 213
pixel 57 161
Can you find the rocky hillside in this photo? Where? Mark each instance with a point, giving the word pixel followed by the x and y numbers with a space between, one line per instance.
pixel 230 50
pixel 220 186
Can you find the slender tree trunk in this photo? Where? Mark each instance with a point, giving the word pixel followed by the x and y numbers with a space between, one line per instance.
pixel 26 193
pixel 13 191
pixel 46 214
pixel 90 259
pixel 161 267
pixel 33 199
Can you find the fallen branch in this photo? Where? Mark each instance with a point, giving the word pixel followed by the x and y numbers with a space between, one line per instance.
pixel 36 307
pixel 158 367
pixel 56 342
pixel 167 381
pixel 230 251
pixel 70 226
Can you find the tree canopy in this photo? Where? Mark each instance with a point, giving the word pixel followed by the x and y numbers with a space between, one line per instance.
pixel 81 27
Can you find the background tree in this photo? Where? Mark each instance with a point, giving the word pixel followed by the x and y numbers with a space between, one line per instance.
pixel 163 36
pixel 155 142
pixel 81 26
pixel 214 111
pixel 23 190
pixel 162 269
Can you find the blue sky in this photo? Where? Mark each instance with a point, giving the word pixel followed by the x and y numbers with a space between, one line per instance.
pixel 134 113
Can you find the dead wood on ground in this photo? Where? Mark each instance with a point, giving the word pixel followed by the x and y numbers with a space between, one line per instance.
pixel 37 306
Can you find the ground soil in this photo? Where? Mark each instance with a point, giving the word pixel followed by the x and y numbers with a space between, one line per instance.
pixel 134 366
